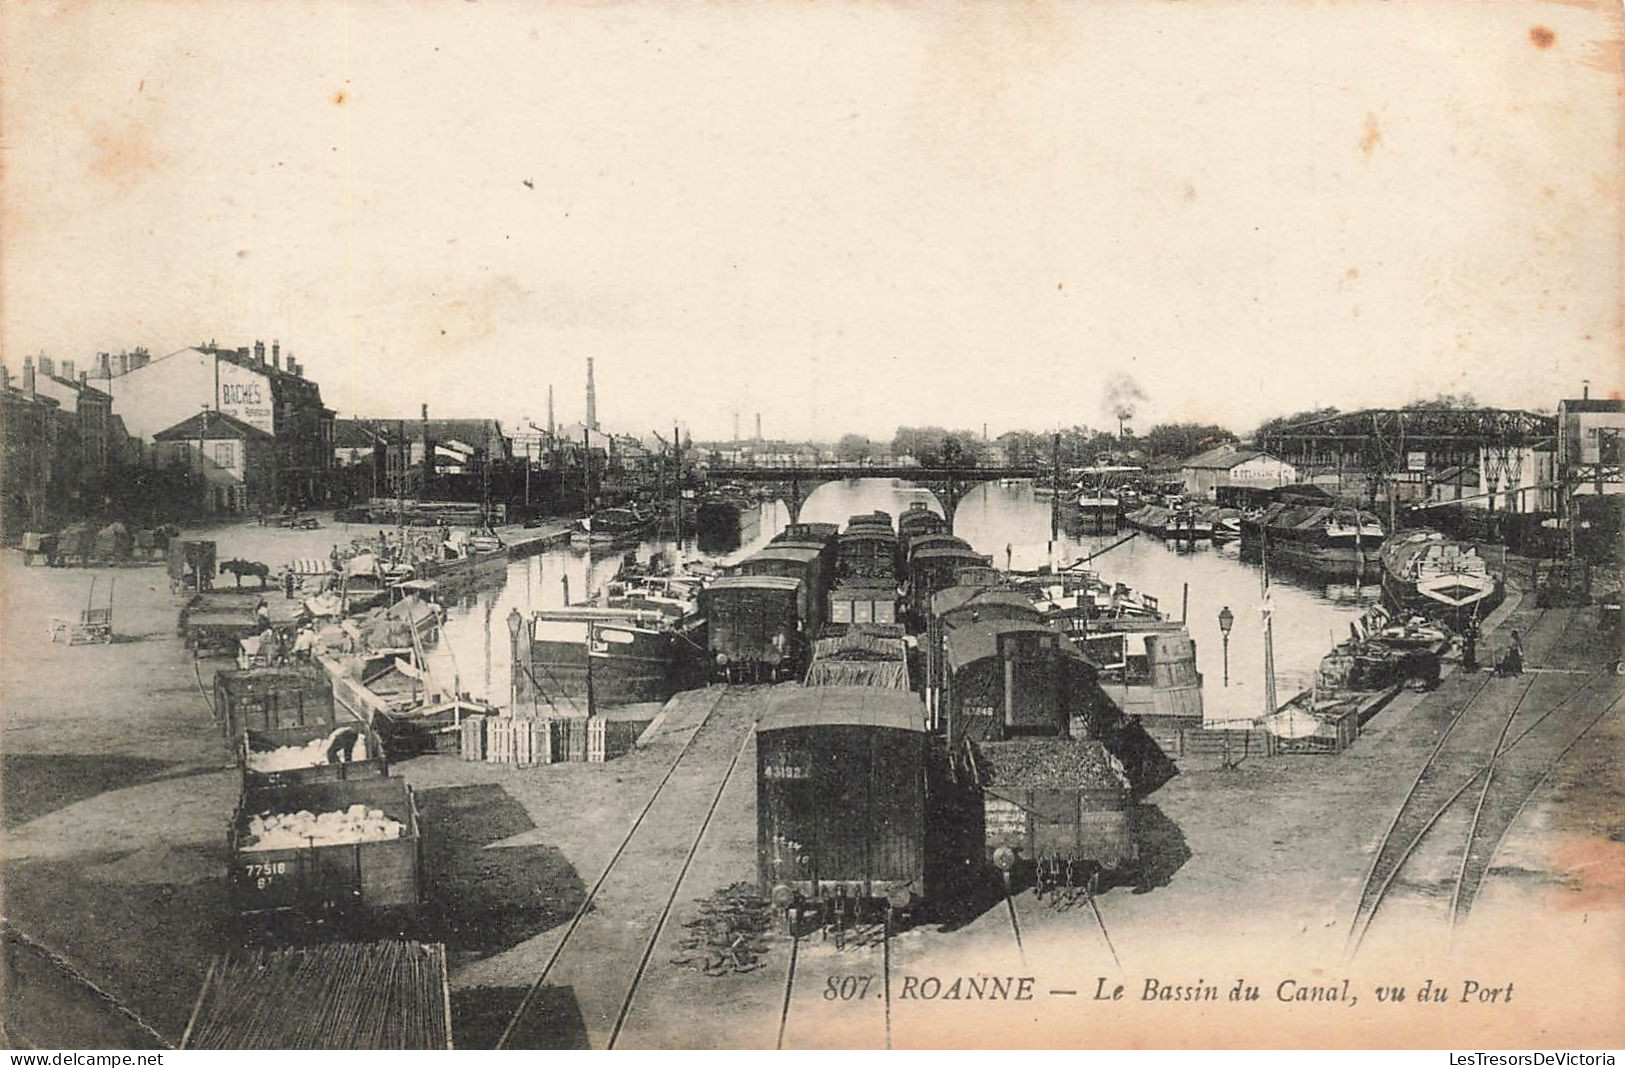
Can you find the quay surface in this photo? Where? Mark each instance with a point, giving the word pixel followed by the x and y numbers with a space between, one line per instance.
pixel 117 795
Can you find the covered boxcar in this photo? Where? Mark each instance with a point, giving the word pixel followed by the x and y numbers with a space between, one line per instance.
pixel 1003 678
pixel 841 797
pixel 755 624
pixel 804 562
pixel 937 568
pixel 965 604
pixel 866 552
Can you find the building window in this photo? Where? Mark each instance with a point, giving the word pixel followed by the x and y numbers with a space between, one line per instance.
pixel 183 454
pixel 225 454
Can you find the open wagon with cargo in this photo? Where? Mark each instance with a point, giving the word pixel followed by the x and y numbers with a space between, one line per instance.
pixel 352 848
pixel 841 799
pixel 312 752
pixel 1056 813
pixel 865 655
pixel 269 699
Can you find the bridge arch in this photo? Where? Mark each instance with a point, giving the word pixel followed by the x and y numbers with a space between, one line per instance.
pixel 795 485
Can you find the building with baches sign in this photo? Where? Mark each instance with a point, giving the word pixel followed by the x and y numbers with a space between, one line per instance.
pixel 270 395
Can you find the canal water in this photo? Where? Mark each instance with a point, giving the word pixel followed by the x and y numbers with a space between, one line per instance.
pixel 1007 522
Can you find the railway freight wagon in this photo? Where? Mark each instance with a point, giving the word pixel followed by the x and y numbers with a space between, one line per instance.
pixel 917 522
pixel 807 563
pixel 866 552
pixel 817 533
pixel 270 699
pixel 937 568
pixel 755 625
pixel 351 848
pixel 959 605
pixel 1056 812
pixel 315 752
pixel 864 655
pixel 841 798
pixel 1004 678
pixel 871 600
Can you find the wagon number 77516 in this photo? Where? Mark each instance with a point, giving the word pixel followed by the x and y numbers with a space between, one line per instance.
pixel 263 873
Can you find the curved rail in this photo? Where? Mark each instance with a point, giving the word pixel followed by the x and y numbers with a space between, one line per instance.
pixel 1375 887
pixel 1481 849
pixel 1475 861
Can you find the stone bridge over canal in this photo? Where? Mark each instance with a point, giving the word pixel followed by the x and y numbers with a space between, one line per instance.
pixel 950 484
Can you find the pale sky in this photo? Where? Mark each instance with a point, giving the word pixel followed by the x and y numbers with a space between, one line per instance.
pixel 845 216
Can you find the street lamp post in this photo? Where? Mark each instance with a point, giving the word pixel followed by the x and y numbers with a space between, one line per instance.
pixel 1227 619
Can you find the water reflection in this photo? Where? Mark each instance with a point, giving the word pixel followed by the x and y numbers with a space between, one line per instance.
pixel 1011 523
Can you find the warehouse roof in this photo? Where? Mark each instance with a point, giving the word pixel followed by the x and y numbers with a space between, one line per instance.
pixel 1222 458
pixel 845 706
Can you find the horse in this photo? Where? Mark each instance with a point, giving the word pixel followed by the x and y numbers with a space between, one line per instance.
pixel 239 568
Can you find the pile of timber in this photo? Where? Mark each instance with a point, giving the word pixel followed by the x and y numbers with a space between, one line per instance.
pixel 342 995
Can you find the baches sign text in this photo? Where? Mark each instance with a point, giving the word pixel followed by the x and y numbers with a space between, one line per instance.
pixel 246 395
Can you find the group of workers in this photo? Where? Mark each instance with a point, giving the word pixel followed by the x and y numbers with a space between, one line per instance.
pixel 1511 662
pixel 272 651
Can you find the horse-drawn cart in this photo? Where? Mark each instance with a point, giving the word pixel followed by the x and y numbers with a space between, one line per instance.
pixel 93 625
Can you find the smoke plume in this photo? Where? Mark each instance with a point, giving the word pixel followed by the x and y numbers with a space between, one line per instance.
pixel 1123 394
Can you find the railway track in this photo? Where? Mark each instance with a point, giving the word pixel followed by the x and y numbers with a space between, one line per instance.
pixel 1488 762
pixel 605 952
pixel 827 985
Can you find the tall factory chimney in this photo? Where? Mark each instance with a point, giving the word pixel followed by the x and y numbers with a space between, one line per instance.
pixel 551 429
pixel 736 426
pixel 758 426
pixel 1585 389
pixel 592 398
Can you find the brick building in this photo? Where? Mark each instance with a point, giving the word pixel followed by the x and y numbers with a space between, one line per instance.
pixel 271 395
